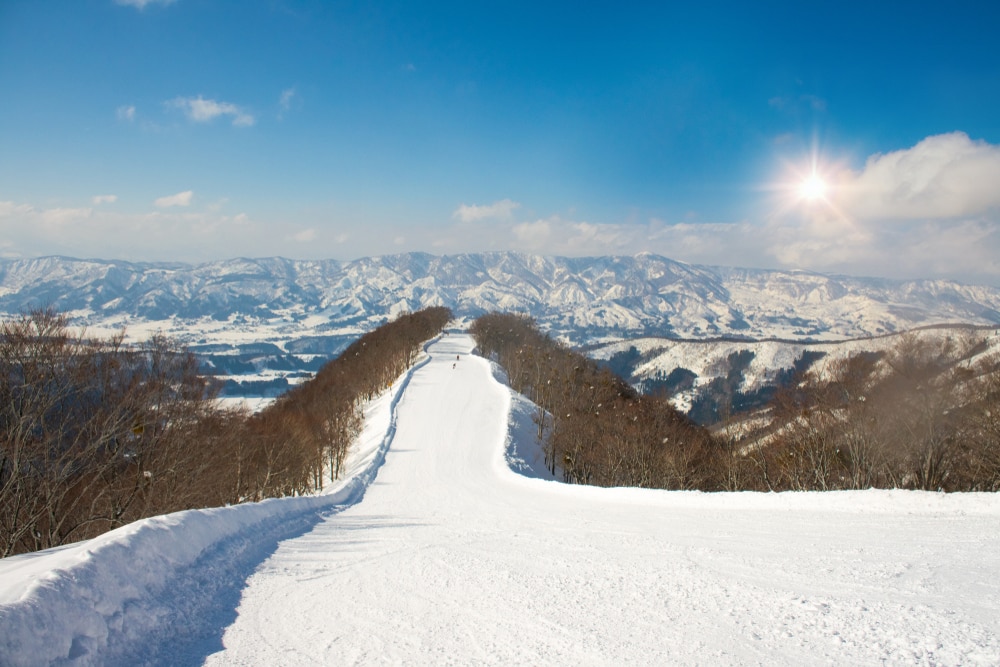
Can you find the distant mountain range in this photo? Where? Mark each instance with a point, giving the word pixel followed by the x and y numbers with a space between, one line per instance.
pixel 584 299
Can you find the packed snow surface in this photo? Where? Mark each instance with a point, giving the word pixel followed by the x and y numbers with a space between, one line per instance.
pixel 451 557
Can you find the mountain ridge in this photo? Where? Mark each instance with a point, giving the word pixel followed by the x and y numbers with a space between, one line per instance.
pixel 578 298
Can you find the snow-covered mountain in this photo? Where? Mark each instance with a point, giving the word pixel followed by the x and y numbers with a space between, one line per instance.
pixel 691 371
pixel 582 299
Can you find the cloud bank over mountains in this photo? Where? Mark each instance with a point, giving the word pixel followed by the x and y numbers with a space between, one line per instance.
pixel 931 210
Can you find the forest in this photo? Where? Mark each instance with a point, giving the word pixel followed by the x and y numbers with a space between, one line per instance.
pixel 923 415
pixel 96 433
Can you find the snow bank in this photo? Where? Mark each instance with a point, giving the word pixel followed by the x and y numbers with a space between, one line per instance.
pixel 73 600
pixel 73 603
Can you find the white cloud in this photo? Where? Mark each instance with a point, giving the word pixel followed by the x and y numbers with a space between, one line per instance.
pixel 286 99
pixel 200 110
pixel 554 235
pixel 533 236
pixel 943 176
pixel 126 113
pixel 305 236
pixel 97 200
pixel 499 210
pixel 167 234
pixel 179 199
pixel 592 237
pixel 9 208
pixel 60 216
pixel 141 4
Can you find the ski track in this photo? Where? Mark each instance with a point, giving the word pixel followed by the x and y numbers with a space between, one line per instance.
pixel 451 557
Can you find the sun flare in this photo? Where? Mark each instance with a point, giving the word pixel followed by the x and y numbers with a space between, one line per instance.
pixel 812 188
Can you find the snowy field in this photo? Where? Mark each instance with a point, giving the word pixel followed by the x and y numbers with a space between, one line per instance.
pixel 449 556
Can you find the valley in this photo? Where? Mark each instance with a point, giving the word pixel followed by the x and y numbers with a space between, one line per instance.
pixel 263 325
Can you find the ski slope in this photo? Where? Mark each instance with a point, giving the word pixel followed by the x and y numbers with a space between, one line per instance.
pixel 451 557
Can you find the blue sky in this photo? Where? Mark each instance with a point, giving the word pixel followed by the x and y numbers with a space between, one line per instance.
pixel 201 129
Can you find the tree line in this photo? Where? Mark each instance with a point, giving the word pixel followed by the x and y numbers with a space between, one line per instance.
pixel 593 426
pixel 304 436
pixel 924 415
pixel 95 433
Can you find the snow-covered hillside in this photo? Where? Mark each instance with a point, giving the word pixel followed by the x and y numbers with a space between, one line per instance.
pixel 645 362
pixel 583 299
pixel 450 557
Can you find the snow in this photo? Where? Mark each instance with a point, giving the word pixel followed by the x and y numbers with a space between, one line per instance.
pixel 581 299
pixel 104 598
pixel 449 556
pixel 708 359
pixel 251 403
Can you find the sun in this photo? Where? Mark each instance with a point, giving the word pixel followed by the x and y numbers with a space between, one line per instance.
pixel 812 188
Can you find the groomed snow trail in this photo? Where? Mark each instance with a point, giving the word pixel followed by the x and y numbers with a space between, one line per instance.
pixel 451 558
